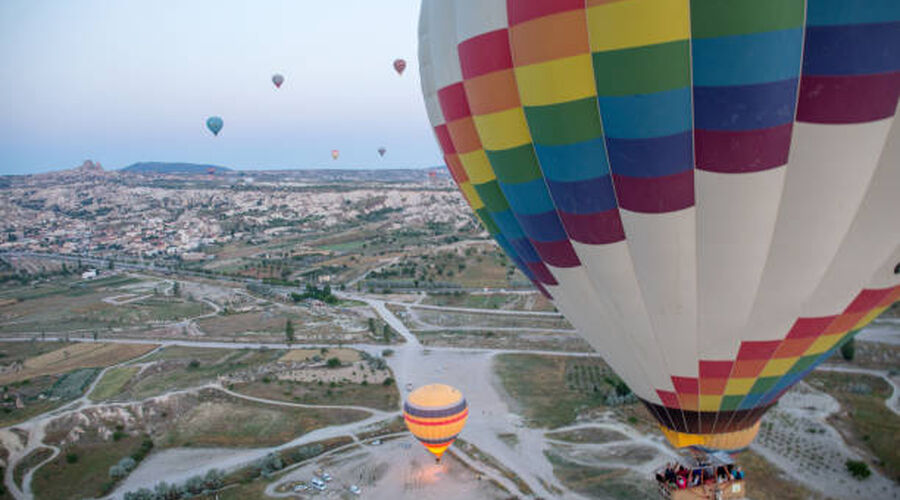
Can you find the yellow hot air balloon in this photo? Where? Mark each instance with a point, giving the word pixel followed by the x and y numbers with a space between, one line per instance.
pixel 335 154
pixel 435 414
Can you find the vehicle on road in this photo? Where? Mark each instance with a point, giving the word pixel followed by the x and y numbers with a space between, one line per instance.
pixel 355 489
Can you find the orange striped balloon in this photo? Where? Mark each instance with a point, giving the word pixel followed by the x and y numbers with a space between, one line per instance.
pixel 435 414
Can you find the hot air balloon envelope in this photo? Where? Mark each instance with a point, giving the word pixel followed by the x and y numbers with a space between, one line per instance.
pixel 335 154
pixel 277 79
pixel 704 192
pixel 214 124
pixel 382 151
pixel 435 414
pixel 399 66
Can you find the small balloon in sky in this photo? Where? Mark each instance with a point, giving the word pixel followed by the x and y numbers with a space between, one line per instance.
pixel 335 154
pixel 399 66
pixel 382 150
pixel 278 79
pixel 214 124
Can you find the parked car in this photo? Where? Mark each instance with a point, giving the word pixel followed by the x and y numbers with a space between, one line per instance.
pixel 326 477
pixel 375 442
pixel 355 489
pixel 318 484
pixel 300 487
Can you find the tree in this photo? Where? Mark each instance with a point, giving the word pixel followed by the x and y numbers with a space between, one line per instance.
pixel 111 266
pixel 334 363
pixel 176 289
pixel 848 350
pixel 372 325
pixel 289 331
pixel 386 333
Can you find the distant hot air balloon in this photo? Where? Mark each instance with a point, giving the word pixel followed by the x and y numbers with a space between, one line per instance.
pixel 214 124
pixel 382 151
pixel 211 171
pixel 335 154
pixel 432 174
pixel 435 414
pixel 399 66
pixel 703 191
pixel 277 79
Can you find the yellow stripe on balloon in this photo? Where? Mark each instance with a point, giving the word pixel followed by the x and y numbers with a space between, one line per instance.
pixel 503 130
pixel 637 23
pixel 471 195
pixel 477 167
pixel 558 81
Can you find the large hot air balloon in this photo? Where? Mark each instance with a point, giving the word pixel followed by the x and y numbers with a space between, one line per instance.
pixel 335 154
pixel 435 414
pixel 399 66
pixel 382 151
pixel 277 79
pixel 707 190
pixel 214 124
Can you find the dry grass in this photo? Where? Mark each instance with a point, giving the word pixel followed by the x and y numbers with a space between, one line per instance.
pixel 300 355
pixel 74 356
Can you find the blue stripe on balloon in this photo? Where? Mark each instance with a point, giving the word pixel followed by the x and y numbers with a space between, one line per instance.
pixel 573 162
pixel 745 107
pixel 859 49
pixel 652 157
pixel 543 227
pixel 751 401
pixel 528 198
pixel 584 197
pixel 509 226
pixel 525 250
pixel 837 12
pixel 646 115
pixel 746 59
pixel 508 248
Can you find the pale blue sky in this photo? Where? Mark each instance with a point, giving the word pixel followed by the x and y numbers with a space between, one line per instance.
pixel 121 81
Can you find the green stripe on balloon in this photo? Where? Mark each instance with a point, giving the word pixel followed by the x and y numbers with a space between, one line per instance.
pixel 714 18
pixel 643 70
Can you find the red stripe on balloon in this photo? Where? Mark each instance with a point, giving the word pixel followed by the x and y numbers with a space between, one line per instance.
pixel 741 151
pixel 453 102
pixel 594 229
pixel 556 253
pixel 485 54
pixel 416 421
pixel 520 11
pixel 848 98
pixel 655 195
pixel 540 271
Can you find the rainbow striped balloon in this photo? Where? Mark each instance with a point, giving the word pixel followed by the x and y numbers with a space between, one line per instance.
pixel 435 414
pixel 707 189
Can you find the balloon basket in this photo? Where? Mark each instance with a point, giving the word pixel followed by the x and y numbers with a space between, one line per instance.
pixel 714 476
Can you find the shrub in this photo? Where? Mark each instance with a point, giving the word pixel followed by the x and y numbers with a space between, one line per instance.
pixel 128 464
pixel 194 364
pixel 117 435
pixel 388 382
pixel 858 469
pixel 334 363
pixel 848 350
pixel 387 353
pixel 117 472
pixel 71 457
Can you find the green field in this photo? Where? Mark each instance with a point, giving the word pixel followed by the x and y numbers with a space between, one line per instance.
pixel 376 396
pixel 551 391
pixel 226 421
pixel 868 423
pixel 112 382
pixel 184 367
pixel 595 482
pixel 86 477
